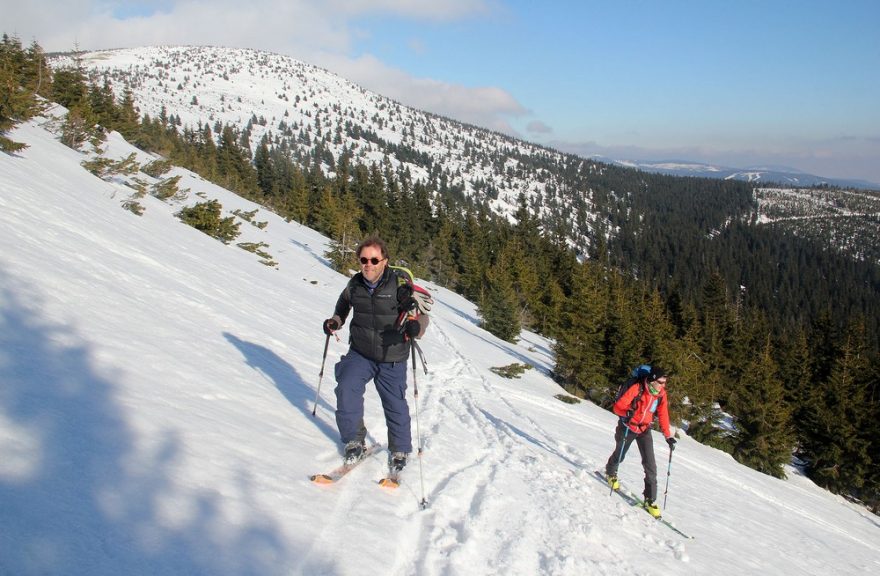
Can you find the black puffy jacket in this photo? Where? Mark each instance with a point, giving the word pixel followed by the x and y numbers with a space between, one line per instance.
pixel 373 329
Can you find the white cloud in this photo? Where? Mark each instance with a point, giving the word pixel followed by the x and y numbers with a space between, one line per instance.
pixel 319 33
pixel 293 27
pixel 420 9
pixel 538 127
pixel 485 106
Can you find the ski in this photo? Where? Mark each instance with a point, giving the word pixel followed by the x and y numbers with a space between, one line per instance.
pixel 337 473
pixel 637 502
pixel 392 480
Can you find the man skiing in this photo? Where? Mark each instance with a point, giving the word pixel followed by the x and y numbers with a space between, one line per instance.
pixel 387 313
pixel 637 407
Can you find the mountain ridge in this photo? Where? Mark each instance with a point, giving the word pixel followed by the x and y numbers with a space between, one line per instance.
pixel 757 174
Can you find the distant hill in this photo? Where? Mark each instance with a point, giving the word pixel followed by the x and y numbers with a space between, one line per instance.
pixel 757 174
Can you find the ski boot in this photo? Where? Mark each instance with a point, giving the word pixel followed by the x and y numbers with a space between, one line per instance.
pixel 396 461
pixel 613 482
pixel 354 452
pixel 652 508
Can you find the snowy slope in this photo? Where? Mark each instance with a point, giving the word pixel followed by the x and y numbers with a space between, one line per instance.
pixel 155 418
pixel 283 98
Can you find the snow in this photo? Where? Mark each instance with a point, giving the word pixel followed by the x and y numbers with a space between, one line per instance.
pixel 155 418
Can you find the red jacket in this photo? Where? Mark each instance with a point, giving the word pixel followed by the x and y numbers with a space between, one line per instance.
pixel 644 408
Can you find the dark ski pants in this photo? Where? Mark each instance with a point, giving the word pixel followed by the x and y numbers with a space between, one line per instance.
pixel 623 437
pixel 353 371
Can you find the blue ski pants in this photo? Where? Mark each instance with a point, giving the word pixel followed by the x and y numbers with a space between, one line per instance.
pixel 353 371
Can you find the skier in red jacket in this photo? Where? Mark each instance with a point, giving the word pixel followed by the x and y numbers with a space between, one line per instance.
pixel 637 407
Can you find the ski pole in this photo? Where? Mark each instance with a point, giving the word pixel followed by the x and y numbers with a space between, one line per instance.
pixel 321 374
pixel 424 503
pixel 421 357
pixel 620 456
pixel 668 474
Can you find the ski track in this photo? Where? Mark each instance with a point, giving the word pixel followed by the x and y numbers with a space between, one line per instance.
pixel 467 503
pixel 783 505
pixel 469 526
pixel 325 543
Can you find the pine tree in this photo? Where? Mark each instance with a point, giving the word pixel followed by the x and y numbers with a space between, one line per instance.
pixel 327 213
pixel 795 369
pixel 70 87
pixel 205 217
pixel 716 321
pixel 342 221
pixel 296 198
pixel 528 262
pixel 316 183
pixel 442 254
pixel 103 105
pixel 764 437
pixel 368 186
pixel 17 90
pixel 128 124
pixel 579 348
pixel 472 264
pixel 234 166
pixel 624 345
pixel 835 448
pixel 266 172
pixel 76 128
pixel 521 266
pixel 421 219
pixel 870 494
pixel 498 306
pixel 552 304
pixel 825 338
pixel 699 382
pixel 36 75
pixel 656 328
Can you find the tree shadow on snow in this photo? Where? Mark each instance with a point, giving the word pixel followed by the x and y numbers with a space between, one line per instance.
pixel 317 256
pixel 81 493
pixel 288 381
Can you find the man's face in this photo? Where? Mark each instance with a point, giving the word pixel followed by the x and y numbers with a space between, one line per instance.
pixel 372 263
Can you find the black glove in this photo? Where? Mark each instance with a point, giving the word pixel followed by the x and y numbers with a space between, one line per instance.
pixel 330 326
pixel 671 441
pixel 412 329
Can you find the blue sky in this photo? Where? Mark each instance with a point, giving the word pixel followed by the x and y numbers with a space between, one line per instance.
pixel 786 83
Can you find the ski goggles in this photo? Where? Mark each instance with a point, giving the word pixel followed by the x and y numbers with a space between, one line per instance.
pixel 374 261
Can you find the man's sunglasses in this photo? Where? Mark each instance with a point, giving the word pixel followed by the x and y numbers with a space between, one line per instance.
pixel 374 261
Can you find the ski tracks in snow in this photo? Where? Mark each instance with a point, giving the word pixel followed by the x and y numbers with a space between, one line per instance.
pixel 485 483
pixel 781 505
pixel 501 494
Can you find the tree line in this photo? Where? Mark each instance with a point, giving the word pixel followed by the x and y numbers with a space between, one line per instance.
pixel 794 377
